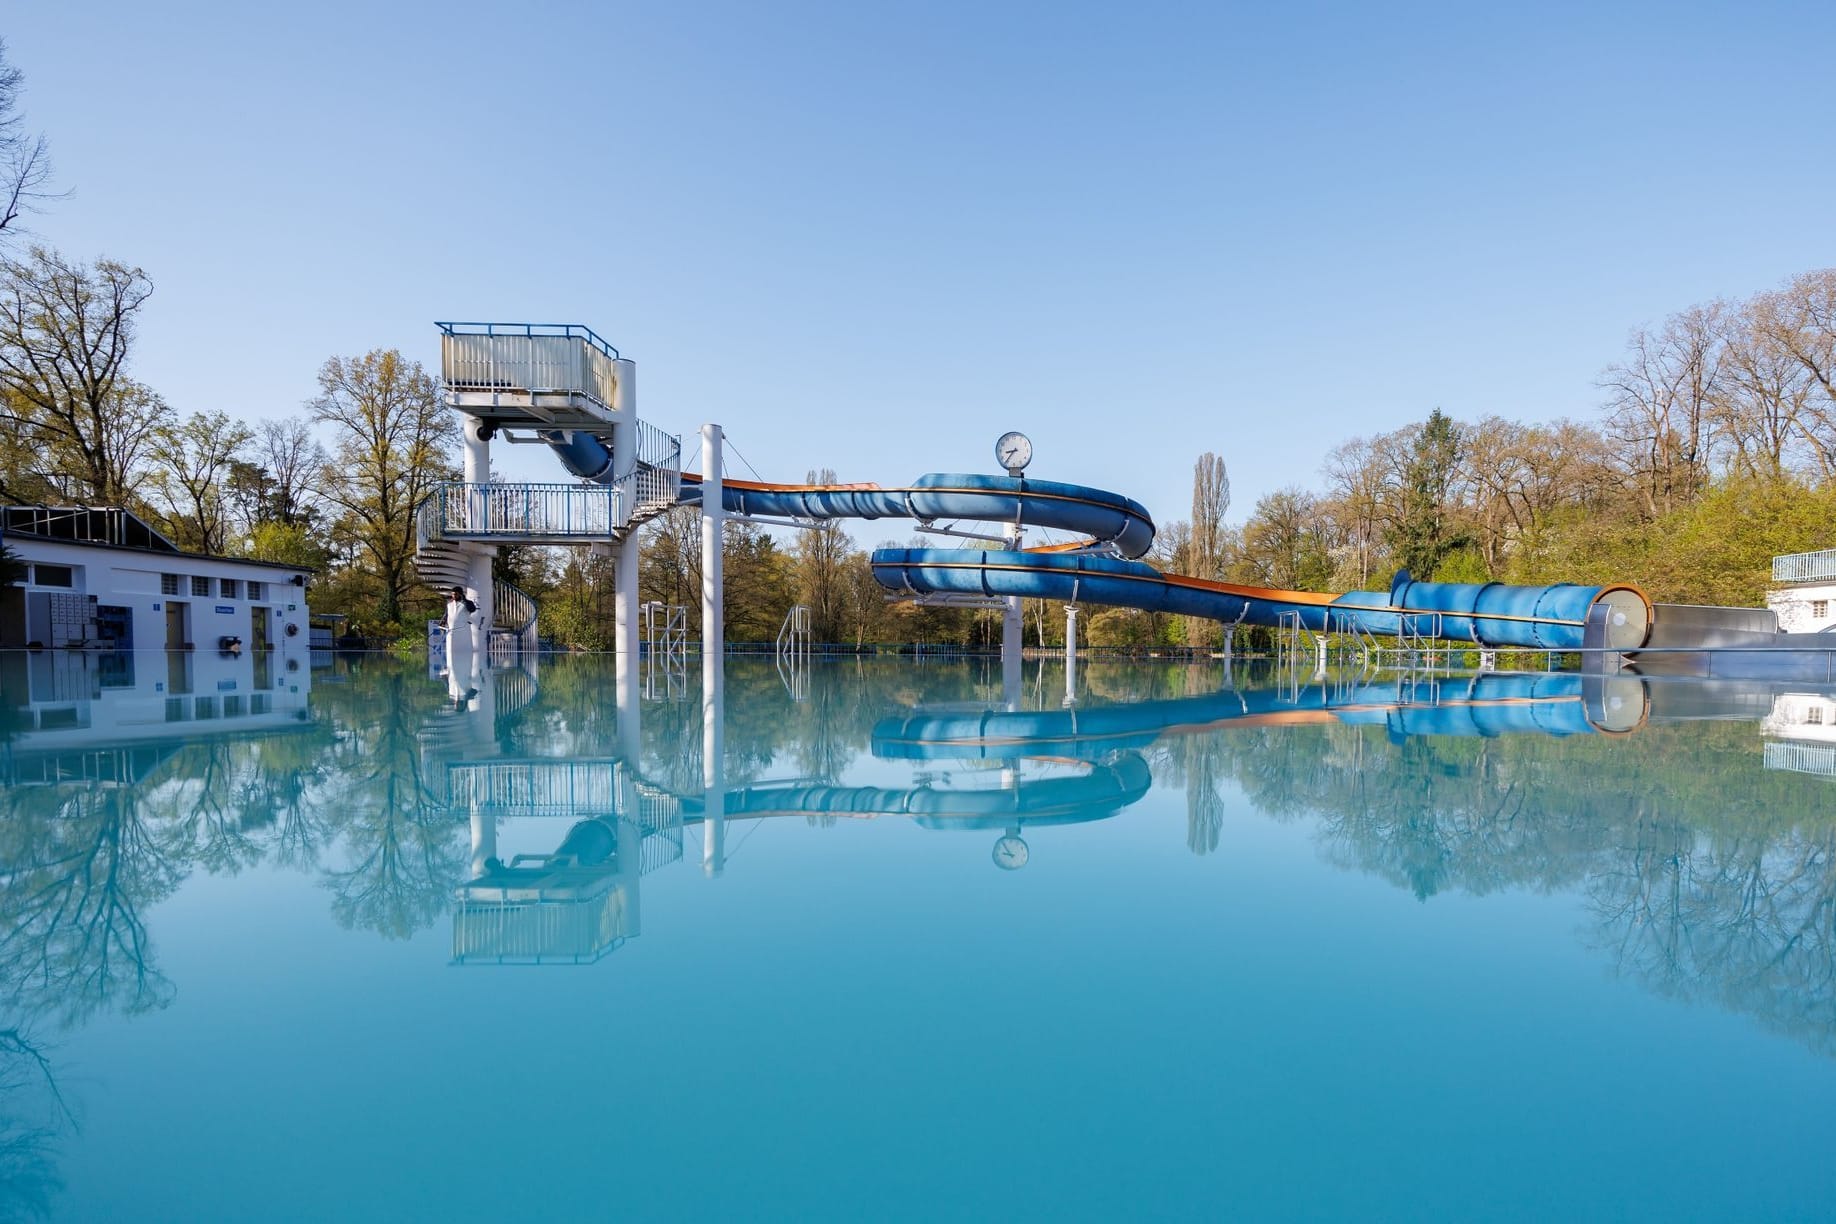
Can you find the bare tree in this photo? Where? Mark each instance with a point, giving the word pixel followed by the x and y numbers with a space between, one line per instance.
pixel 1800 320
pixel 1660 402
pixel 25 157
pixel 65 334
pixel 822 552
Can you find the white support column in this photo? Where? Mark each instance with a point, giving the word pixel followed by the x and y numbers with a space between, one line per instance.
pixel 484 840
pixel 625 616
pixel 713 650
pixel 478 582
pixel 477 453
pixel 713 592
pixel 477 471
pixel 713 776
pixel 1070 654
pixel 1012 624
pixel 625 551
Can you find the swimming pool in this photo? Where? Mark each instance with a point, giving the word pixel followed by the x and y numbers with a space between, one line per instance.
pixel 344 942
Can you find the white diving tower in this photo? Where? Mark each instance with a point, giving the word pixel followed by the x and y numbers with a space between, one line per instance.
pixel 546 383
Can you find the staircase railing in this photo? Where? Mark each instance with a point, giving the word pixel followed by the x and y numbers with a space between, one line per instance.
pixel 512 608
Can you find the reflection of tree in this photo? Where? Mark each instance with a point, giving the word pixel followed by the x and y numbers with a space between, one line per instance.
pixel 403 850
pixel 72 936
pixel 1709 877
pixel 1745 922
pixel 32 1116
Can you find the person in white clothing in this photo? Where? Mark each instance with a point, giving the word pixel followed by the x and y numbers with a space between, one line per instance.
pixel 461 634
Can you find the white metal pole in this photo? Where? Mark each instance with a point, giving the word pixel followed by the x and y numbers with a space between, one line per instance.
pixel 625 549
pixel 713 647
pixel 713 775
pixel 1012 624
pixel 1070 654
pixel 713 592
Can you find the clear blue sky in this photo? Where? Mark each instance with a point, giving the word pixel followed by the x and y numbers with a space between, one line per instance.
pixel 871 237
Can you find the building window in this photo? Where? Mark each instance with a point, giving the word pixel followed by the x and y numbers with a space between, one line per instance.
pixel 232 707
pixel 53 576
pixel 168 584
pixel 229 588
pixel 1820 608
pixel 205 707
pixel 200 587
pixel 1814 714
pixel 257 590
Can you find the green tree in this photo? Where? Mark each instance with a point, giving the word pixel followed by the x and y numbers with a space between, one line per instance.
pixel 193 460
pixel 393 442
pixel 1422 532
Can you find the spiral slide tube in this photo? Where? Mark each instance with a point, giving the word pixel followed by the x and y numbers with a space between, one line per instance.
pixel 1488 705
pixel 1489 614
pixel 1103 789
pixel 1108 518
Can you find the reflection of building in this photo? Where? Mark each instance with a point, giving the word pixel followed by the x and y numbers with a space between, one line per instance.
pixel 1801 733
pixel 1804 591
pixel 105 578
pixel 87 701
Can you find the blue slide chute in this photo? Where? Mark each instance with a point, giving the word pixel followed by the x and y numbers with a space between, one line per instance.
pixel 1489 614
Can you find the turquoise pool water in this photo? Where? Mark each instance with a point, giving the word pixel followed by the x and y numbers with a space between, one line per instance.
pixel 283 941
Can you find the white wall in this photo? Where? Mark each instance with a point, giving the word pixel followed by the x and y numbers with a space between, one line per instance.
pixel 132 579
pixel 1796 606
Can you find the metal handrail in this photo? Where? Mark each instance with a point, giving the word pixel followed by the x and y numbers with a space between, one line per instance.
pixel 559 511
pixel 1805 567
pixel 512 608
pixel 569 330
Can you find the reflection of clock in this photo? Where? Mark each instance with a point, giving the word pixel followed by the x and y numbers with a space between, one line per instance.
pixel 1010 853
pixel 1013 451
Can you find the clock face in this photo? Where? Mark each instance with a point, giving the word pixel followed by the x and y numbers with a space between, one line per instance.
pixel 1010 853
pixel 1014 451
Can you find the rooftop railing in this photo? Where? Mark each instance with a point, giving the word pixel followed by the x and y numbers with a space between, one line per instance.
pixel 1805 567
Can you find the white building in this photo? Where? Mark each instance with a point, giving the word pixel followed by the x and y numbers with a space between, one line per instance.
pixel 1804 591
pixel 1801 733
pixel 105 578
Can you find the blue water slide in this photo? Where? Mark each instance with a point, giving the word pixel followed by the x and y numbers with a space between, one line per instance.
pixel 1553 617
pixel 1103 789
pixel 1103 516
pixel 1488 614
pixel 1489 705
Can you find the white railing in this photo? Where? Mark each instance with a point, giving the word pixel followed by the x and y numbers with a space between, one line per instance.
pixel 528 357
pixel 512 607
pixel 1819 759
pixel 553 511
pixel 1805 567
pixel 531 788
pixel 659 467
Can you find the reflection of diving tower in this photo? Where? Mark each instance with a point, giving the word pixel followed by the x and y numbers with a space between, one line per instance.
pixel 555 384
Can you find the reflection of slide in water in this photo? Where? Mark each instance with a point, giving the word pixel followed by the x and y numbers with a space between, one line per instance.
pixel 1492 704
pixel 1558 617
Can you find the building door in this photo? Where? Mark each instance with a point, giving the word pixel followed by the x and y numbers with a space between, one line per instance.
pixel 258 629
pixel 176 616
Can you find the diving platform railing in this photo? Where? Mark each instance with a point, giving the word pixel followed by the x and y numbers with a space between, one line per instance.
pixel 528 358
pixel 1819 566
